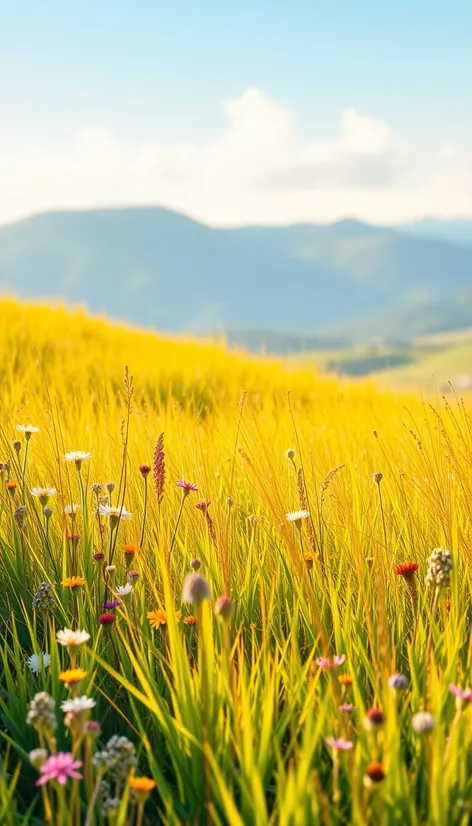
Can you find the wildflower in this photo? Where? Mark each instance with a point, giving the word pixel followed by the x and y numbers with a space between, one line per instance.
pixel 144 470
pixel 43 494
pixel 195 564
pixel 106 619
pixel 28 430
pixel 110 572
pixel 190 619
pixel 114 514
pixel 92 729
pixel 290 454
pixel 203 506
pixel 142 787
pixel 339 744
pixel 111 604
pixel 72 676
pixel 96 488
pixel 124 590
pixel 252 519
pixel 374 719
pixel 38 757
pixel 439 568
pixel 345 679
pixel 78 705
pixel 77 456
pixel 346 707
pixel 11 487
pixel 230 501
pixel 41 713
pixel 43 598
pixel 131 550
pixel 406 569
pixel 110 486
pixel 398 682
pixel 17 446
pixel 99 556
pixel 297 517
pixel 119 756
pixel 133 576
pixel 20 517
pixel 309 559
pixel 187 487
pixel 47 513
pixel 110 806
pixel 36 662
pixel 74 538
pixel 72 639
pixel 377 477
pixel 195 589
pixel 59 767
pixel 461 694
pixel 374 775
pixel 73 582
pixel 71 510
pixel 224 608
pixel 422 722
pixel 159 617
pixel 325 662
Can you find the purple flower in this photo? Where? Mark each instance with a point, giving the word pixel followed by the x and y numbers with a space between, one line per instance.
pixel 339 744
pixel 398 682
pixel 110 604
pixel 59 767
pixel 347 707
pixel 325 662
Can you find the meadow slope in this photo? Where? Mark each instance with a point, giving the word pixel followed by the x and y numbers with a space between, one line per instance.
pixel 276 705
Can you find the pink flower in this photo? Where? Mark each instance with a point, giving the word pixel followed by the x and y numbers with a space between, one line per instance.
pixel 187 487
pixel 202 506
pixel 325 662
pixel 59 767
pixel 339 744
pixel 347 707
pixel 461 693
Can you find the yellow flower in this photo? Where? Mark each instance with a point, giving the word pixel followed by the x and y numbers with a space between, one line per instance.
pixel 159 617
pixel 72 676
pixel 142 784
pixel 190 620
pixel 73 581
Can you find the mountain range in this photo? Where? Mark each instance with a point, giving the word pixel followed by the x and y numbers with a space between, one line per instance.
pixel 286 288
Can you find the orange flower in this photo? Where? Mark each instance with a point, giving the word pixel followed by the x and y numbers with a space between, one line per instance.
pixel 73 581
pixel 345 679
pixel 190 620
pixel 131 550
pixel 142 784
pixel 10 485
pixel 159 617
pixel 72 676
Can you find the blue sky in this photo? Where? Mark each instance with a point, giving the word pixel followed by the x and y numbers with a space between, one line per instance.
pixel 158 75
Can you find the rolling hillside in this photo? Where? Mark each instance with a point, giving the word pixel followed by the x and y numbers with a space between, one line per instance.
pixel 160 269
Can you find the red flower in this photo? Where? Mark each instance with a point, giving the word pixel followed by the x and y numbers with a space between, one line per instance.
pixel 406 569
pixel 144 470
pixel 106 619
pixel 375 772
pixel 203 506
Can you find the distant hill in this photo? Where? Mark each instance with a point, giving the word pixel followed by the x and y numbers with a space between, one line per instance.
pixel 303 283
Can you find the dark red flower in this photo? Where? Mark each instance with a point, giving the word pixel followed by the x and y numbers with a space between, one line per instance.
pixel 406 569
pixel 375 772
pixel 203 506
pixel 106 619
pixel 144 470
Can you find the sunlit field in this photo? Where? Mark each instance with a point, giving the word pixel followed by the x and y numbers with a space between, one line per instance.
pixel 222 599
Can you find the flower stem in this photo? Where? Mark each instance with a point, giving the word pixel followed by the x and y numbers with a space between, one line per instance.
pixel 144 512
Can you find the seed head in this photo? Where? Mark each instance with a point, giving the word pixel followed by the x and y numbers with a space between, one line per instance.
pixel 195 589
pixel 422 722
pixel 377 477
pixel 43 599
pixel 439 568
pixel 224 608
pixel 41 713
pixel 196 564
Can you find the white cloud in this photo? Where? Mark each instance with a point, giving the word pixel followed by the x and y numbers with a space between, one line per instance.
pixel 257 170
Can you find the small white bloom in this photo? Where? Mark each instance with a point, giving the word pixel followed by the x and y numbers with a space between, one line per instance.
pixel 422 722
pixel 72 638
pixel 77 456
pixel 296 516
pixel 29 428
pixel 43 493
pixel 77 705
pixel 124 590
pixel 118 513
pixel 36 662
pixel 71 510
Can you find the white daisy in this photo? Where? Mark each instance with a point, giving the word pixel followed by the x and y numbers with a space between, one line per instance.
pixel 36 662
pixel 72 638
pixel 117 513
pixel 77 456
pixel 43 494
pixel 124 590
pixel 76 705
pixel 71 510
pixel 28 429
pixel 297 516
